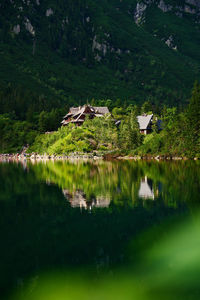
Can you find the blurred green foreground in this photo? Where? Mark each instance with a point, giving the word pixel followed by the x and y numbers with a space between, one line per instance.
pixel 106 230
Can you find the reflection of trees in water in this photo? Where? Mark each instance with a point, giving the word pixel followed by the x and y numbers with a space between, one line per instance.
pixel 101 182
pixel 122 182
pixel 78 199
pixel 40 231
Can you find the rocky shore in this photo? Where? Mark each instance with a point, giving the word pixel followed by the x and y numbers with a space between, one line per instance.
pixel 157 157
pixel 85 156
pixel 39 157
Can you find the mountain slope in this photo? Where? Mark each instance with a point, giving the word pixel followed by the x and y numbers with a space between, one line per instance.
pixel 85 49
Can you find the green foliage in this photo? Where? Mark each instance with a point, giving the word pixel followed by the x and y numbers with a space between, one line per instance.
pixel 152 145
pixel 181 131
pixel 135 239
pixel 118 113
pixel 146 107
pixel 65 140
pixel 193 120
pixel 15 134
pixel 129 135
pixel 49 121
pixel 180 134
pixel 60 62
pixel 97 134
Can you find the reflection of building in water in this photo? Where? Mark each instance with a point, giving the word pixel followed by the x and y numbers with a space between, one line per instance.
pixel 146 189
pixel 78 199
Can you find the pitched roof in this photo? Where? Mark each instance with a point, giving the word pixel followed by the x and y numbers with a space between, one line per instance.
pixel 74 111
pixel 144 121
pixel 79 111
pixel 101 110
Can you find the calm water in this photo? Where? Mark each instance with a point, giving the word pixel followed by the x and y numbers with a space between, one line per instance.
pixel 102 230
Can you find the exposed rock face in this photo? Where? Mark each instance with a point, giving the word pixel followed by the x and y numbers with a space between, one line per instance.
pixel 83 33
pixel 101 47
pixel 139 14
pixel 49 12
pixel 193 2
pixel 164 7
pixel 170 43
pixel 16 29
pixel 188 6
pixel 189 10
pixel 29 27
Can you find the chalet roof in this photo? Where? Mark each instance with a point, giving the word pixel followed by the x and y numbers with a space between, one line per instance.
pixel 101 110
pixel 80 111
pixel 72 111
pixel 77 120
pixel 144 121
pixel 75 111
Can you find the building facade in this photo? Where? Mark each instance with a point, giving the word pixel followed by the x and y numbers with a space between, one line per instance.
pixel 77 115
pixel 145 123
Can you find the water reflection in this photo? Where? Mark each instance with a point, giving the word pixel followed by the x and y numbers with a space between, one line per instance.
pixel 41 231
pixel 78 199
pixel 98 184
pixel 146 189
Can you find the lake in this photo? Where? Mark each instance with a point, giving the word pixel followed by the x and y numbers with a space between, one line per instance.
pixel 100 230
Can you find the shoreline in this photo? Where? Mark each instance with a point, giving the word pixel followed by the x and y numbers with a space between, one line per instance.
pixel 37 157
pixel 89 156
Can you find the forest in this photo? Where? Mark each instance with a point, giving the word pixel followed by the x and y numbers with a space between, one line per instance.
pixel 25 122
pixel 95 49
pixel 95 52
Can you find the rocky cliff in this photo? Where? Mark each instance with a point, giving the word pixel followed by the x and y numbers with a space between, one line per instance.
pixel 134 49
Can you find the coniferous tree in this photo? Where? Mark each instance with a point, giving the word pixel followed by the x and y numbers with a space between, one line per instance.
pixel 193 120
pixel 129 134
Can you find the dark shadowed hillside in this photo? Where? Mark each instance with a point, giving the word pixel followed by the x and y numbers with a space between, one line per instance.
pixel 84 49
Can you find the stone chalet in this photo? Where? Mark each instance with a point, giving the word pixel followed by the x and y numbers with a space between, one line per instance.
pixel 77 115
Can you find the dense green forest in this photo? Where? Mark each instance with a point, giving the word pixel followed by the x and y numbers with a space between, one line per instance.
pixel 132 56
pixel 71 51
pixel 180 134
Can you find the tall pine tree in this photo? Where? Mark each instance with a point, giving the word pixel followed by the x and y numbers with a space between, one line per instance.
pixel 193 120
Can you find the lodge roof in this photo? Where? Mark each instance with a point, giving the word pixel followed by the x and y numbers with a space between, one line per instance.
pixel 97 110
pixel 79 112
pixel 144 121
pixel 101 110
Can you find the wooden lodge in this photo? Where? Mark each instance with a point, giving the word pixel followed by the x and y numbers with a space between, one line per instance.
pixel 77 115
pixel 145 123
